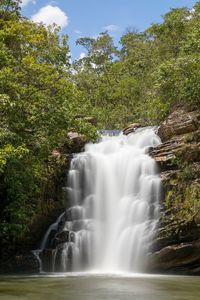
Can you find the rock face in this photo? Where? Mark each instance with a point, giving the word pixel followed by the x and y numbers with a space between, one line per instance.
pixel 131 128
pixel 76 142
pixel 179 122
pixel 176 246
pixel 24 263
pixel 179 258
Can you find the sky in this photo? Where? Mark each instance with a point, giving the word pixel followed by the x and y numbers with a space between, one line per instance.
pixel 80 18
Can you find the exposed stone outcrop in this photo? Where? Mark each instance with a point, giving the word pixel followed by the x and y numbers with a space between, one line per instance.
pixel 131 128
pixel 176 246
pixel 75 142
pixel 24 263
pixel 183 258
pixel 179 122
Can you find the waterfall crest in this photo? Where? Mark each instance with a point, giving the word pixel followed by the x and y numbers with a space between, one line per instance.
pixel 114 189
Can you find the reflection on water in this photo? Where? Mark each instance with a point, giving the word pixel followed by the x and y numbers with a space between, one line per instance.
pixel 92 287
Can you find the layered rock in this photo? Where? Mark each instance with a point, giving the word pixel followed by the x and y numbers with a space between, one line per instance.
pixel 179 122
pixel 177 242
pixel 131 128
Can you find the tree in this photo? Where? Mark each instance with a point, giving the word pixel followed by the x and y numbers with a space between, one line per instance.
pixel 39 104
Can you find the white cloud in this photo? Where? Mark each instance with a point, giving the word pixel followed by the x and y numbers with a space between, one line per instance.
pixel 25 2
pixel 82 55
pixel 51 14
pixel 96 36
pixel 77 31
pixel 111 27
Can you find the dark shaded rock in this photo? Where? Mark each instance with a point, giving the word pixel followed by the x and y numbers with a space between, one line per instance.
pixel 61 224
pixel 51 236
pixel 62 237
pixel 178 258
pixel 46 257
pixel 173 233
pixel 58 267
pixel 23 263
pixel 76 142
pixel 197 218
pixel 131 128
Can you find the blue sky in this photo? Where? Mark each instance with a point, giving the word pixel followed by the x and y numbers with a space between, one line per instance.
pixel 90 17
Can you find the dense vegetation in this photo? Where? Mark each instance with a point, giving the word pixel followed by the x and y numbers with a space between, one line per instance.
pixel 150 72
pixel 39 105
pixel 43 95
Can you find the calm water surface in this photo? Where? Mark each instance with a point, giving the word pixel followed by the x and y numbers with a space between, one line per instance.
pixel 107 287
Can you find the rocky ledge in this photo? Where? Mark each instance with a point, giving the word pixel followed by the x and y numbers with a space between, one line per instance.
pixel 176 247
pixel 24 263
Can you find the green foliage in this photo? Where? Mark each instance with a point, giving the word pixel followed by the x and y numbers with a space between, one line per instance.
pixel 39 104
pixel 184 202
pixel 152 71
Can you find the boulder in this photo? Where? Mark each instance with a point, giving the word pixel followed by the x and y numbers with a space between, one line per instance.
pixel 179 122
pixel 62 237
pixel 131 128
pixel 26 263
pixel 178 258
pixel 46 257
pixel 76 142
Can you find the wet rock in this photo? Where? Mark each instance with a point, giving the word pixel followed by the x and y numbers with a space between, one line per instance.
pixel 23 263
pixel 61 224
pixel 46 257
pixel 60 264
pixel 62 237
pixel 197 218
pixel 131 128
pixel 49 243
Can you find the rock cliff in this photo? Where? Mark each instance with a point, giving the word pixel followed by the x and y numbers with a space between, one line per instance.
pixel 176 248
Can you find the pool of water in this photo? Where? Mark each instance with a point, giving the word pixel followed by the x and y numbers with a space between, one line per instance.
pixel 100 287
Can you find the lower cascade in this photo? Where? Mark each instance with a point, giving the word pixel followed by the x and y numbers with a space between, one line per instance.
pixel 114 189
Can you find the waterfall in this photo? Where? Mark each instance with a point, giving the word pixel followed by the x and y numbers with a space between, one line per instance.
pixel 114 189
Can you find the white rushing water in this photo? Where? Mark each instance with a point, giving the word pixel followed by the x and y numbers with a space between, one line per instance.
pixel 114 189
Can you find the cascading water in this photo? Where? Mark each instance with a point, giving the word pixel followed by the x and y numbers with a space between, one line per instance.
pixel 114 190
